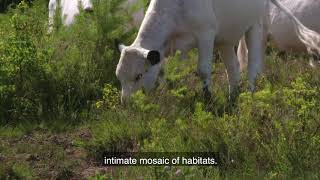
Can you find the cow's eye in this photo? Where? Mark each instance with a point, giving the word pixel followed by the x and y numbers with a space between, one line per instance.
pixel 138 77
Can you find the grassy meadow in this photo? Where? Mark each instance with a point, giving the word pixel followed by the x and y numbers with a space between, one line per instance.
pixel 60 107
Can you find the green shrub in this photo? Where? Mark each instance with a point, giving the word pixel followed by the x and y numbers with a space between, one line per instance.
pixel 111 98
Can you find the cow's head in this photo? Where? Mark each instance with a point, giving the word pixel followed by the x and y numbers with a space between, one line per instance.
pixel 137 69
pixel 86 5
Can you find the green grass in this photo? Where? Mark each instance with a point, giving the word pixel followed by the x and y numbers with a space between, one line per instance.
pixel 59 124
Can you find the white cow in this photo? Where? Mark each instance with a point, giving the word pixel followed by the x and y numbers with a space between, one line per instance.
pixel 281 29
pixel 209 22
pixel 69 9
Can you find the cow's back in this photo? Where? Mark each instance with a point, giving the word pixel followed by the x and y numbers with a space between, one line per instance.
pixel 281 27
pixel 235 17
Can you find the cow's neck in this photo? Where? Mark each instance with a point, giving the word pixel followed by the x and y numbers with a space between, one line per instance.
pixel 155 31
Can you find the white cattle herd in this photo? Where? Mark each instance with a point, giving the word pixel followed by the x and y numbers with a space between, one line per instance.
pixel 207 25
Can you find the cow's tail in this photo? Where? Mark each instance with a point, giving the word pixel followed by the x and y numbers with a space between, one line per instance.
pixel 242 54
pixel 308 37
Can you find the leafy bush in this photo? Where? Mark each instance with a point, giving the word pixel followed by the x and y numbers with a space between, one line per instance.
pixel 111 98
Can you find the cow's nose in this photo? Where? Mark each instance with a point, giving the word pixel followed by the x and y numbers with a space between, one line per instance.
pixel 88 9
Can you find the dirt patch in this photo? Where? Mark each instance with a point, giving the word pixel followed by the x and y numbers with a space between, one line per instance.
pixel 50 156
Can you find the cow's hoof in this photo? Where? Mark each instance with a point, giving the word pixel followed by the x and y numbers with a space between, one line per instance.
pixel 234 94
pixel 233 99
pixel 206 93
pixel 208 98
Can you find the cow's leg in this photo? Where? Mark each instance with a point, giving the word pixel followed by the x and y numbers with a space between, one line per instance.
pixel 205 42
pixel 52 9
pixel 233 70
pixel 254 40
pixel 161 79
pixel 314 60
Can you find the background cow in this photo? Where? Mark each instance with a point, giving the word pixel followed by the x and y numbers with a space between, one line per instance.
pixel 281 29
pixel 69 9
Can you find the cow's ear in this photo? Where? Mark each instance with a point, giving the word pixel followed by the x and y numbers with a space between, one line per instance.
pixel 153 57
pixel 119 46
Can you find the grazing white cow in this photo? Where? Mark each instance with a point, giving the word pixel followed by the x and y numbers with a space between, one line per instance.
pixel 69 9
pixel 210 23
pixel 281 29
